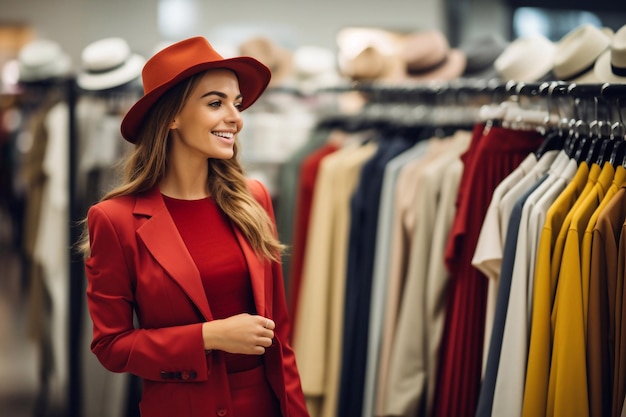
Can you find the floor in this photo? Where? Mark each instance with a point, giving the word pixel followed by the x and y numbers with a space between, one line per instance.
pixel 21 388
pixel 18 354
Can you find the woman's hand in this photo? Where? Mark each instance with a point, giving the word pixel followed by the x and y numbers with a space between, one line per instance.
pixel 244 333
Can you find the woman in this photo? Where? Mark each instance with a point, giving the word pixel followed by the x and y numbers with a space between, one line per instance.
pixel 188 246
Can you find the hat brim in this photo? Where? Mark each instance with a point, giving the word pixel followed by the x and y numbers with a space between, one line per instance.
pixel 588 77
pixel 124 74
pixel 57 69
pixel 253 77
pixel 603 72
pixel 451 69
pixel 486 74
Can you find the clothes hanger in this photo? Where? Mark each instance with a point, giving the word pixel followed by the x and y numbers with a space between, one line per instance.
pixel 597 137
pixel 552 128
pixel 457 104
pixel 567 111
pixel 492 114
pixel 586 143
pixel 614 93
pixel 618 136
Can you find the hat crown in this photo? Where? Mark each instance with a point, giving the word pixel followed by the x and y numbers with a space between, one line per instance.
pixel 482 51
pixel 578 50
pixel 526 59
pixel 610 67
pixel 42 59
pixel 180 61
pixel 175 60
pixel 40 52
pixel 425 49
pixel 105 54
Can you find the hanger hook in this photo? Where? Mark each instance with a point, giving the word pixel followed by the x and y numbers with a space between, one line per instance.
pixel 618 129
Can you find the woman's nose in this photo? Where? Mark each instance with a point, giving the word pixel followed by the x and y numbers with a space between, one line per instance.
pixel 234 114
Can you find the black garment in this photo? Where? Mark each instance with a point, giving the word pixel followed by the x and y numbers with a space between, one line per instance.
pixel 364 207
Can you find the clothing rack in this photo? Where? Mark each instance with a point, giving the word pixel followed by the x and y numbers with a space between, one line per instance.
pixel 38 92
pixel 562 96
pixel 76 262
pixel 497 89
pixel 69 93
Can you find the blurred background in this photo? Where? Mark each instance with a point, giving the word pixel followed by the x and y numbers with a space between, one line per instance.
pixel 145 23
pixel 315 49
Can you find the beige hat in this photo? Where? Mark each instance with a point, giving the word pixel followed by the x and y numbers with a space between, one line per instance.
pixel 371 64
pixel 277 58
pixel 428 57
pixel 526 59
pixel 369 53
pixel 577 52
pixel 610 67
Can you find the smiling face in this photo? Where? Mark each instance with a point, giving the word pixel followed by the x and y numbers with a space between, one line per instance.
pixel 208 123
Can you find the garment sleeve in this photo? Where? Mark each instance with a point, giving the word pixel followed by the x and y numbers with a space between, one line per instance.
pixel 174 353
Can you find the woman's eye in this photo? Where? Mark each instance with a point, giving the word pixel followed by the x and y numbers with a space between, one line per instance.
pixel 239 106
pixel 216 103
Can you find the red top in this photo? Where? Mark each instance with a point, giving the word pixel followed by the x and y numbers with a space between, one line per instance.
pixel 210 239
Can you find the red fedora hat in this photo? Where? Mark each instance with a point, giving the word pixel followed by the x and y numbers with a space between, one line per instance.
pixel 182 60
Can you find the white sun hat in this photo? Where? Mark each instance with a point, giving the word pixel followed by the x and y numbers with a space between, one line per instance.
pixel 577 53
pixel 526 59
pixel 42 59
pixel 610 67
pixel 108 63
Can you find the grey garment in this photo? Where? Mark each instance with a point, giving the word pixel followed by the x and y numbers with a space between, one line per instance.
pixel 485 400
pixel 288 178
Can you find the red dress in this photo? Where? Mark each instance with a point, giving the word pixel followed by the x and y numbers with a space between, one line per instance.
pixel 490 158
pixel 212 244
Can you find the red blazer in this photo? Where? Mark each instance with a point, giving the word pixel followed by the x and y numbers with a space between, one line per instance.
pixel 139 264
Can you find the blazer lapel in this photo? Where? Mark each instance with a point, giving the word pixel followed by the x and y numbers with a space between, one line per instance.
pixel 161 237
pixel 257 272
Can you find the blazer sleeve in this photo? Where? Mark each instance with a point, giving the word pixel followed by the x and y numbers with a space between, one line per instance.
pixel 293 387
pixel 152 354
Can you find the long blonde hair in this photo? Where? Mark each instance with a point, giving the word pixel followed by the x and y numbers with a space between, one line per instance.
pixel 145 166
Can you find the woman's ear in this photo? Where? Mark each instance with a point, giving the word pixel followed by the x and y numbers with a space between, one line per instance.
pixel 174 124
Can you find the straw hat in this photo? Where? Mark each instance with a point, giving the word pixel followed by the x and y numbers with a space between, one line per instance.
pixel 183 59
pixel 526 59
pixel 42 60
pixel 577 52
pixel 108 63
pixel 610 67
